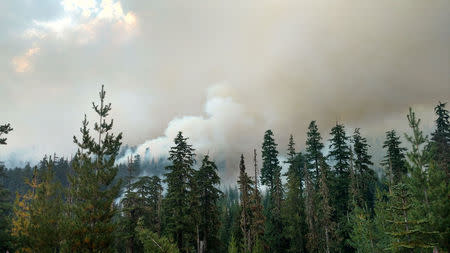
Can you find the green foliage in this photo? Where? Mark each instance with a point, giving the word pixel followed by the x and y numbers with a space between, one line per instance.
pixel 92 188
pixel 362 235
pixel 394 159
pixel 4 129
pixel 232 246
pixel 314 148
pixel 208 196
pixel 178 202
pixel 441 139
pixel 293 209
pixel 154 243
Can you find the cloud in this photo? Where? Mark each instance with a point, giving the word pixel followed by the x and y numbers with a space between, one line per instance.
pixel 23 63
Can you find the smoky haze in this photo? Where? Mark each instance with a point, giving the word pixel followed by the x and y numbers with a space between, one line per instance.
pixel 220 71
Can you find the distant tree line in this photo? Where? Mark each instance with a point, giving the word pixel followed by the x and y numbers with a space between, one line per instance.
pixel 330 202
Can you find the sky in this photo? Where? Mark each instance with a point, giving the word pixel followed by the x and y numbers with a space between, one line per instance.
pixel 220 71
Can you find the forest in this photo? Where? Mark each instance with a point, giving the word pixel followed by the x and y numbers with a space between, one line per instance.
pixel 323 202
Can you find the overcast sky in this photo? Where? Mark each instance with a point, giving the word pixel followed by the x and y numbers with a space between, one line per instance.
pixel 221 71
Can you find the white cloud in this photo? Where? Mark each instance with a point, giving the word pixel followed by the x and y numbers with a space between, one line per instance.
pixel 22 63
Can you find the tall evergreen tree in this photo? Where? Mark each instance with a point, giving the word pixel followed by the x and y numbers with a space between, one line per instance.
pixel 407 231
pixel 394 159
pixel 311 213
pixel 441 139
pixel 327 226
pixel 257 219
pixel 245 188
pixel 178 201
pixel 149 191
pixel 293 208
pixel 271 176
pixel 208 181
pixel 364 175
pixel 340 156
pixel 93 190
pixel 5 205
pixel 314 148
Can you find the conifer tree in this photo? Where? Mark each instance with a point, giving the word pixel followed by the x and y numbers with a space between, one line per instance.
pixel 293 208
pixel 208 181
pixel 245 188
pixel 407 232
pixel 362 237
pixel 154 243
pixel 93 190
pixel 340 156
pixel 394 159
pixel 326 224
pixel 4 129
pixel 314 148
pixel 149 191
pixel 271 176
pixel 364 175
pixel 178 201
pixel 257 218
pixel 5 205
pixel 441 139
pixel 311 215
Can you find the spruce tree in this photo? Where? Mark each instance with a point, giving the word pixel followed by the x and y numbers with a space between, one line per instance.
pixel 441 139
pixel 257 218
pixel 340 156
pixel 314 148
pixel 149 191
pixel 178 201
pixel 245 188
pixel 271 176
pixel 5 205
pixel 394 159
pixel 208 182
pixel 293 208
pixel 93 189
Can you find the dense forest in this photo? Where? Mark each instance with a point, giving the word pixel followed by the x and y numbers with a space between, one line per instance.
pixel 332 202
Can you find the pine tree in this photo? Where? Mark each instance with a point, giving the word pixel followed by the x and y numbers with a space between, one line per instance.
pixel 271 176
pixel 93 190
pixel 441 139
pixel 257 219
pixel 154 243
pixel 245 188
pixel 407 232
pixel 149 191
pixel 395 157
pixel 178 201
pixel 314 148
pixel 4 129
pixel 293 209
pixel 208 181
pixel 362 236
pixel 5 205
pixel 364 175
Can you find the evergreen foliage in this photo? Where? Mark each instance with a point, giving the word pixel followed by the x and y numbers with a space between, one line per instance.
pixel 394 159
pixel 314 148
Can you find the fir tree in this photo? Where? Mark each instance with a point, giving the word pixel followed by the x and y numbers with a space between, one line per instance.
pixel 149 191
pixel 314 148
pixel 340 156
pixel 441 139
pixel 245 188
pixel 362 237
pixel 364 175
pixel 178 201
pixel 394 158
pixel 293 208
pixel 325 222
pixel 208 181
pixel 93 190
pixel 311 215
pixel 271 176
pixel 257 219
pixel 154 243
